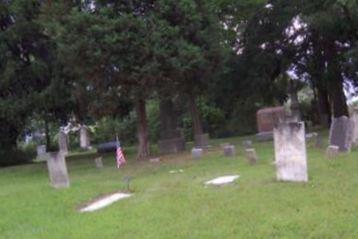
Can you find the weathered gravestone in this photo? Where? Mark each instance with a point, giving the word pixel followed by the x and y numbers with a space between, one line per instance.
pixel 57 169
pixel 290 152
pixel 171 146
pixel 41 150
pixel 267 118
pixel 247 144
pixel 332 151
pixel 63 142
pixel 229 150
pixel 201 140
pixel 197 153
pixel 84 137
pixel 355 122
pixel 251 155
pixel 99 162
pixel 341 133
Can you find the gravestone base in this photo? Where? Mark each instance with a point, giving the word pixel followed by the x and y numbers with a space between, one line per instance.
pixel 171 146
pixel 251 155
pixel 197 153
pixel 57 169
pixel 201 140
pixel 229 151
pixel 290 152
pixel 264 136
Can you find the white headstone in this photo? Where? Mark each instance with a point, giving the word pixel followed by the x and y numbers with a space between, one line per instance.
pixel 290 152
pixel 98 161
pixel 57 169
pixel 84 137
pixel 355 131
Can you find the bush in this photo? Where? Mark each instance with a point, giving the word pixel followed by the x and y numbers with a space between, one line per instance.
pixel 16 156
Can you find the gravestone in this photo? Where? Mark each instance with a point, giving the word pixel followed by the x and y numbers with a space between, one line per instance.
pixel 251 155
pixel 197 153
pixel 247 144
pixel 332 151
pixel 41 150
pixel 57 169
pixel 99 162
pixel 229 150
pixel 84 138
pixel 267 118
pixel 290 152
pixel 341 133
pixel 108 147
pixel 355 122
pixel 201 140
pixel 63 142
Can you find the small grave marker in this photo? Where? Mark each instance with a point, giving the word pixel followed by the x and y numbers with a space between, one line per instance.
pixel 251 156
pixel 197 153
pixel 332 151
pixel 229 150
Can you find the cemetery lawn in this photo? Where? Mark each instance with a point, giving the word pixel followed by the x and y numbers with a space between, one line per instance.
pixel 179 205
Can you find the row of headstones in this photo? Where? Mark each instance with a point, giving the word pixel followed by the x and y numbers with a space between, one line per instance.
pixel 229 150
pixel 63 142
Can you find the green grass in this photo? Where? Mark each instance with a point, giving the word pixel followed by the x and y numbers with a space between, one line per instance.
pixel 178 205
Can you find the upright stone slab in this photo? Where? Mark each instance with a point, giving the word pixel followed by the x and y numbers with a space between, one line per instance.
pixel 99 162
pixel 355 122
pixel 267 118
pixel 332 151
pixel 197 153
pixel 341 133
pixel 201 140
pixel 84 138
pixel 290 152
pixel 247 144
pixel 229 150
pixel 251 155
pixel 63 142
pixel 171 146
pixel 57 170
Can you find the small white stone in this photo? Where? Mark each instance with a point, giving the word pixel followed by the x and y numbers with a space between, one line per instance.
pixel 223 180
pixel 104 202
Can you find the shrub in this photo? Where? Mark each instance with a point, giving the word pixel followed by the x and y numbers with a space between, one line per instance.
pixel 10 157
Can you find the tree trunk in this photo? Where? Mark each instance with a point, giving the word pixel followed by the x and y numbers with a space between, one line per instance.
pixel 323 106
pixel 142 130
pixel 339 101
pixel 195 116
pixel 47 135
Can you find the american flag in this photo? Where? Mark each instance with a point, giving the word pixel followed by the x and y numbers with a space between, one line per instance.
pixel 121 160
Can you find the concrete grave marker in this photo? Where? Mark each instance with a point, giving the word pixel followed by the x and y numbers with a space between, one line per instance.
pixel 341 133
pixel 99 162
pixel 63 142
pixel 355 122
pixel 229 150
pixel 57 169
pixel 197 153
pixel 247 144
pixel 84 138
pixel 290 152
pixel 251 155
pixel 222 180
pixel 332 151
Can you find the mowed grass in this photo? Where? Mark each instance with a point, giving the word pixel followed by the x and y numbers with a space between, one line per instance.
pixel 168 205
